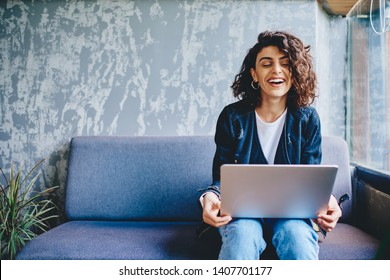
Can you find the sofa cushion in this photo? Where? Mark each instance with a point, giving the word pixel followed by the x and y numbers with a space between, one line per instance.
pixel 87 240
pixel 347 242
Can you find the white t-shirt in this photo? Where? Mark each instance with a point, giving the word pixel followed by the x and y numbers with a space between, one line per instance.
pixel 269 135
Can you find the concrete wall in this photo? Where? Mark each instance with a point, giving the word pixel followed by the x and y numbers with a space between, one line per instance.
pixel 154 67
pixel 331 67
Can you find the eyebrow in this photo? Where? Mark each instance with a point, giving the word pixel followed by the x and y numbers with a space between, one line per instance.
pixel 270 58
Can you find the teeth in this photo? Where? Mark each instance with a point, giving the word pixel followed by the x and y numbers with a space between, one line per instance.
pixel 276 81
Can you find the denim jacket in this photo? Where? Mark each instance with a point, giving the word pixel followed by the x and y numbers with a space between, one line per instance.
pixel 237 140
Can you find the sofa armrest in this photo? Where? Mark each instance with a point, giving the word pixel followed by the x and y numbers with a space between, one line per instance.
pixel 371 207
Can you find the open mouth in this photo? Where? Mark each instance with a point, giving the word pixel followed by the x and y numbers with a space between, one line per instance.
pixel 276 81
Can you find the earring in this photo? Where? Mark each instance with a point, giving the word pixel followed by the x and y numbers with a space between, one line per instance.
pixel 253 86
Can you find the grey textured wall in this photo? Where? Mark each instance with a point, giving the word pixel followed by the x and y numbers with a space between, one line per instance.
pixel 331 66
pixel 157 67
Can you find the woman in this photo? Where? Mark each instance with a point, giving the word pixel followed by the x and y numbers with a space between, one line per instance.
pixel 272 123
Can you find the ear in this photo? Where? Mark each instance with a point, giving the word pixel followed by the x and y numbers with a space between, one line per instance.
pixel 253 73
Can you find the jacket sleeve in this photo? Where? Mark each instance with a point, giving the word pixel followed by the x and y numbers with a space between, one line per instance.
pixel 311 147
pixel 224 153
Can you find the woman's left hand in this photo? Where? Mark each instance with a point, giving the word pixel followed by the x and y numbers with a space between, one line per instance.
pixel 328 220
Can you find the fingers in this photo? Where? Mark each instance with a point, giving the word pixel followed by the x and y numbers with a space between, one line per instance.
pixel 328 220
pixel 217 221
pixel 211 206
pixel 328 227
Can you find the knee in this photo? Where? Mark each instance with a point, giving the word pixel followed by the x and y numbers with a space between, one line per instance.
pixel 242 239
pixel 295 228
pixel 242 228
pixel 295 239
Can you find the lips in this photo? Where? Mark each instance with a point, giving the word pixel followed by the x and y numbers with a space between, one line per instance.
pixel 276 81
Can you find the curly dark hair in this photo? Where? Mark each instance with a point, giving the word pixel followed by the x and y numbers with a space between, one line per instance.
pixel 304 79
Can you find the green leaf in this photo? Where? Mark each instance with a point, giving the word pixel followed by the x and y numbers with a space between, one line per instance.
pixel 23 211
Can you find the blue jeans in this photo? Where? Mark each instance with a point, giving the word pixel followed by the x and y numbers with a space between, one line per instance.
pixel 293 239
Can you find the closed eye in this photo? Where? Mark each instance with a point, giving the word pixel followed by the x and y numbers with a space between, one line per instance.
pixel 285 62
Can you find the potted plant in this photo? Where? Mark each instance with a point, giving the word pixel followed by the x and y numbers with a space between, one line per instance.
pixel 24 212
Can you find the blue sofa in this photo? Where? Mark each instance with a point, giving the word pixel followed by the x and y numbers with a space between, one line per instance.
pixel 137 198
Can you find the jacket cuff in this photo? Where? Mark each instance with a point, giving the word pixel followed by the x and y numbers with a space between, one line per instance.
pixel 211 188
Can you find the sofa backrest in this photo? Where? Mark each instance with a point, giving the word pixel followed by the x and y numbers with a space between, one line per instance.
pixel 335 151
pixel 155 178
pixel 138 178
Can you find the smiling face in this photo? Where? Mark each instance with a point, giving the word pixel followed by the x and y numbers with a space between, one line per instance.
pixel 272 72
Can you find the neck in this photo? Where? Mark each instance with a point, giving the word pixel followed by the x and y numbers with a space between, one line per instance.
pixel 270 112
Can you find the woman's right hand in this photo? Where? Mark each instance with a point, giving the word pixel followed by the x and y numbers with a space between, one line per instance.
pixel 211 206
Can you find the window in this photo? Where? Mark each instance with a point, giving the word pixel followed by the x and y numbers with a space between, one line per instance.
pixel 368 120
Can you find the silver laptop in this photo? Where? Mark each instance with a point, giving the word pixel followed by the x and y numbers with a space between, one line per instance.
pixel 276 191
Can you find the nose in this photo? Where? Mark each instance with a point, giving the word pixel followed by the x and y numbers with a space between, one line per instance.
pixel 277 68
